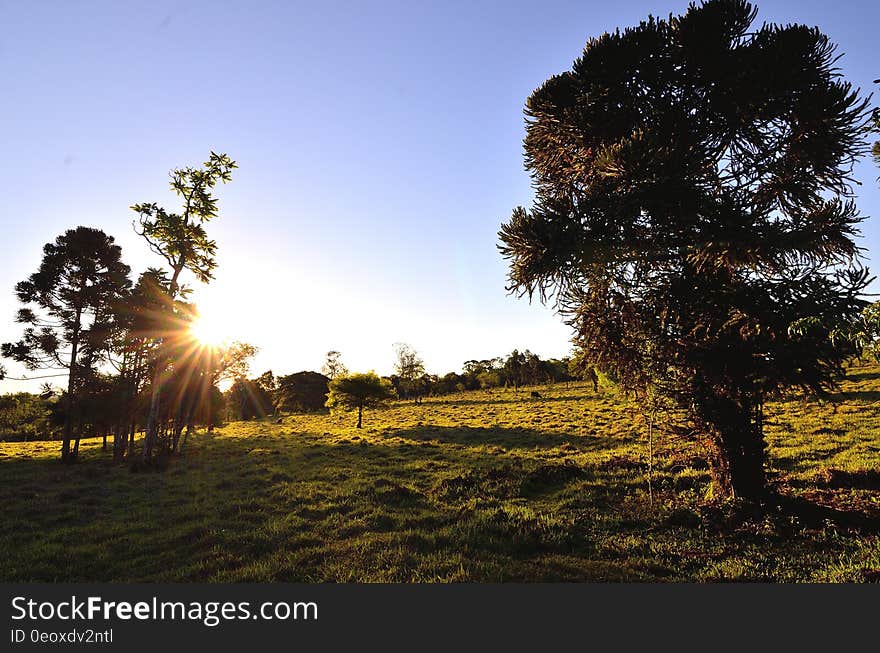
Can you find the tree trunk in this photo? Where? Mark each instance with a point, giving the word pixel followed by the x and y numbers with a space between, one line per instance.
pixel 152 431
pixel 209 427
pixel 176 432
pixel 738 455
pixel 189 429
pixel 179 421
pixel 71 385
pixel 132 432
pixel 360 416
pixel 75 453
pixel 120 435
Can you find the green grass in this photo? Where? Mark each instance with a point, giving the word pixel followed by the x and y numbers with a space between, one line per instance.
pixel 481 486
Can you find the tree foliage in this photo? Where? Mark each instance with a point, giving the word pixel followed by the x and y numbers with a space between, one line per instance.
pixel 409 369
pixel 359 391
pixel 303 392
pixel 27 416
pixel 333 365
pixel 693 202
pixel 180 238
pixel 876 128
pixel 182 241
pixel 250 398
pixel 68 302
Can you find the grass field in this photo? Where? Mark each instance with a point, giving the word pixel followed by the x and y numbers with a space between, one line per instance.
pixel 481 486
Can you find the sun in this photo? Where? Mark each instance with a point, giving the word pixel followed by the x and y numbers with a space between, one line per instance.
pixel 215 322
pixel 208 332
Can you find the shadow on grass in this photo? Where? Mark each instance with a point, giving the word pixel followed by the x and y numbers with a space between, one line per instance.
pixel 799 514
pixel 815 515
pixel 229 502
pixel 839 479
pixel 855 396
pixel 866 375
pixel 275 508
pixel 507 438
pixel 505 400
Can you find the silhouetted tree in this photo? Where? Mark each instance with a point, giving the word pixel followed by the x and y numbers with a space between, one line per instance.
pixel 80 277
pixel 181 240
pixel 512 371
pixel 141 316
pixel 359 391
pixel 333 365
pixel 409 369
pixel 482 373
pixel 581 367
pixel 451 382
pixel 268 385
pixel 693 203
pixel 558 370
pixel 222 363
pixel 249 398
pixel 302 392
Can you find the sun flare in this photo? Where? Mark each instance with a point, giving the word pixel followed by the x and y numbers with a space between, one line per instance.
pixel 208 332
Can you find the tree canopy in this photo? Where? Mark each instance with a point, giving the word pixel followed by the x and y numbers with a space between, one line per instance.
pixel 303 391
pixel 182 241
pixel 359 391
pixel 68 302
pixel 333 365
pixel 693 202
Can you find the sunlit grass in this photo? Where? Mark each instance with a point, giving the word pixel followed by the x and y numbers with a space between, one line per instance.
pixel 481 486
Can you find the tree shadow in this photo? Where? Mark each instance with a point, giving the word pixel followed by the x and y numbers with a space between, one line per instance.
pixel 514 400
pixel 839 479
pixel 871 375
pixel 507 438
pixel 815 515
pixel 855 396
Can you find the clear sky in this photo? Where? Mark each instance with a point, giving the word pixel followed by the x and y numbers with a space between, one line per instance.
pixel 379 145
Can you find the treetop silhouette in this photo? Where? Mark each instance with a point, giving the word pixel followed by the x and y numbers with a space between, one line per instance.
pixel 693 202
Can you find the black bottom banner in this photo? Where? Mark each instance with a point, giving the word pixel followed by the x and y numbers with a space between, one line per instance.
pixel 411 617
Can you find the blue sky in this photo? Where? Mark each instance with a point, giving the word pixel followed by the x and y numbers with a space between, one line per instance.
pixel 379 145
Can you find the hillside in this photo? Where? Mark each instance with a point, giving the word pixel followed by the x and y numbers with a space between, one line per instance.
pixel 480 486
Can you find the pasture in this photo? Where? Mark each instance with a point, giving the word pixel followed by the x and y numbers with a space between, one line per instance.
pixel 480 486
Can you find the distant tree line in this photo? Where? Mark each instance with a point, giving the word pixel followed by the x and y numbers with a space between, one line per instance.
pixel 302 392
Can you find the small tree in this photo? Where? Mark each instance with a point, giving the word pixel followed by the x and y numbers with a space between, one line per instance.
pixel 302 392
pixel 249 398
pixel 409 368
pixel 513 369
pixel 359 391
pixel 80 279
pixel 333 365
pixel 202 371
pixel 693 203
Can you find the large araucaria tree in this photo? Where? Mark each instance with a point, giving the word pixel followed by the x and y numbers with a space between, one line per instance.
pixel 68 302
pixel 693 218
